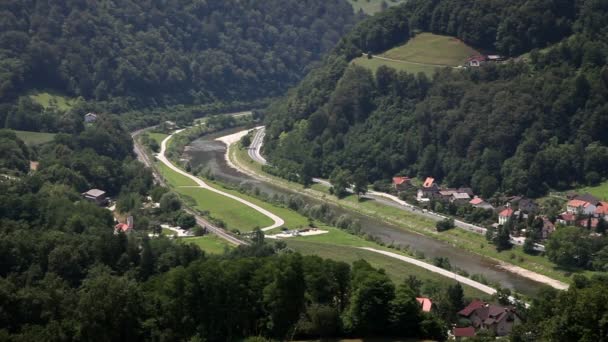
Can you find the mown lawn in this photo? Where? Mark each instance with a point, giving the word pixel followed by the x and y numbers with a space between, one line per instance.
pixel 600 191
pixel 34 138
pixel 47 100
pixel 234 214
pixel 173 178
pixel 209 243
pixel 372 6
pixel 374 63
pixel 430 48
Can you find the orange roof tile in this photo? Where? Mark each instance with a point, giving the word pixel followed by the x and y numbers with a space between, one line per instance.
pixel 428 182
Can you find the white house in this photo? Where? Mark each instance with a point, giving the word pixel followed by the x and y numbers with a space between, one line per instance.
pixel 505 215
pixel 90 117
pixel 576 206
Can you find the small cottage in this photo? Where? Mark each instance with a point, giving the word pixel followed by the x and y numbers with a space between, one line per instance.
pixel 505 215
pixel 96 196
pixel 401 183
pixel 500 320
pixel 90 117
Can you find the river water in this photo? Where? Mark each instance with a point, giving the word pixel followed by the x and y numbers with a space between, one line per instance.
pixel 210 154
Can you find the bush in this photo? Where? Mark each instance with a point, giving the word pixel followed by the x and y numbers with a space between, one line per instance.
pixel 445 224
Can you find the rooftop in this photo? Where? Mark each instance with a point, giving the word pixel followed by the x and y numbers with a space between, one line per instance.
pixel 94 193
pixel 428 182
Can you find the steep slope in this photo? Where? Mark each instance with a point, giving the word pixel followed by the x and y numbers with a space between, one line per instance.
pixel 513 127
pixel 147 53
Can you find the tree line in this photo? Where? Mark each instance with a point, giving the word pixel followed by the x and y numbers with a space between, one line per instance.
pixel 130 54
pixel 518 128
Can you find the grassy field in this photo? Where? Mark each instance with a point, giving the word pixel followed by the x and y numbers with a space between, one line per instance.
pixel 34 138
pixel 423 53
pixel 47 100
pixel 173 178
pixel 234 214
pixel 374 63
pixel 599 191
pixel 209 243
pixel 372 6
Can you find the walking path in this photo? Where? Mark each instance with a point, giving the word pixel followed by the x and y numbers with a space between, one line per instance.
pixel 472 283
pixel 161 157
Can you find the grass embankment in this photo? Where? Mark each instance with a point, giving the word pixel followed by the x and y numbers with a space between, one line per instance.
pixel 423 53
pixel 411 222
pixel 600 191
pixel 158 137
pixel 209 243
pixel 48 100
pixel 372 6
pixel 34 138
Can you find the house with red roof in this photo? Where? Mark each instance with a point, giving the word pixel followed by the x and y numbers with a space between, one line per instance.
pixel 478 202
pixel 466 332
pixel 124 227
pixel 505 215
pixel 429 190
pixel 401 183
pixel 566 218
pixel 426 305
pixel 577 206
pixel 601 211
pixel 475 61
pixel 498 319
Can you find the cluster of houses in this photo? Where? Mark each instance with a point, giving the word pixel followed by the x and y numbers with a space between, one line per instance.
pixel 480 315
pixel 430 190
pixel 584 211
pixel 478 60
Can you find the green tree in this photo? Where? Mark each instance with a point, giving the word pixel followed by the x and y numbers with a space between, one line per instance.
pixel 169 202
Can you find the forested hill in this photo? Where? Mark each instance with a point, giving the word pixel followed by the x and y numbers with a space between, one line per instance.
pixel 146 53
pixel 519 127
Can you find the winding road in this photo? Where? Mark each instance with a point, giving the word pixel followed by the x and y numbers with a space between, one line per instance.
pixel 278 222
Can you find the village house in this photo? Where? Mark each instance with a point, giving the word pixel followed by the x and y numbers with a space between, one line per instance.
pixel 478 202
pixel 475 61
pixel 429 190
pixel 401 183
pixel 577 206
pixel 566 219
pixel 426 305
pixel 90 117
pixel 505 215
pixel 124 227
pixel 460 198
pixel 460 333
pixel 500 320
pixel 601 211
pixel 548 228
pixel 96 196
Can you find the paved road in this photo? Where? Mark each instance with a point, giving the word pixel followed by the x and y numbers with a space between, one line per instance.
pixel 256 145
pixel 143 157
pixel 161 156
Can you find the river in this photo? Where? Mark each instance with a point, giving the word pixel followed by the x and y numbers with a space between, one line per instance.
pixel 210 153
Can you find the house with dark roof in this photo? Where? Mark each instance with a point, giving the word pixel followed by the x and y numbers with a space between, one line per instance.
pixel 401 183
pixel 498 319
pixel 466 332
pixel 460 198
pixel 587 197
pixel 90 117
pixel 96 196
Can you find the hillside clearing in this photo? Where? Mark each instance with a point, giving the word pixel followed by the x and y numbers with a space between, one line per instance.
pixel 423 53
pixel 34 138
pixel 209 243
pixel 48 100
pixel 372 6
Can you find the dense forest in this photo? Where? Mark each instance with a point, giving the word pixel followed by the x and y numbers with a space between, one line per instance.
pixel 133 54
pixel 516 127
